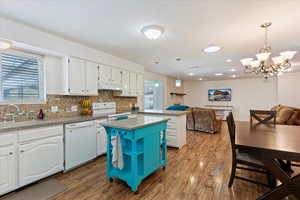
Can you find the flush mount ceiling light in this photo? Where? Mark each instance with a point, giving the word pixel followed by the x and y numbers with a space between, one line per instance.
pixel 200 79
pixel 5 44
pixel 212 49
pixel 229 60
pixel 153 32
pixel 191 74
pixel 233 76
pixel 219 74
pixel 233 70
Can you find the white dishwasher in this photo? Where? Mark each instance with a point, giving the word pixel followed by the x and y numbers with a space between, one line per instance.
pixel 80 143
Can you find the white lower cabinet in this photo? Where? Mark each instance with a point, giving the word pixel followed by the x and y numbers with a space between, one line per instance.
pixel 176 129
pixel 8 169
pixel 40 159
pixel 29 155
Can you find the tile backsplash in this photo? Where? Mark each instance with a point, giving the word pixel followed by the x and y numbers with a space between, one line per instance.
pixel 66 106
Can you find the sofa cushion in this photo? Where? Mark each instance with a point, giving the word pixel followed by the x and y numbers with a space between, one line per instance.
pixel 283 115
pixel 294 117
pixel 276 108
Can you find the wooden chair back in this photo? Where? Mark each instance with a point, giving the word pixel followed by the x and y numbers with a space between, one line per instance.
pixel 231 130
pixel 263 116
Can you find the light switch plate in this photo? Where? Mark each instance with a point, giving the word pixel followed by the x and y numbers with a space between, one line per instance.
pixel 74 108
pixel 54 109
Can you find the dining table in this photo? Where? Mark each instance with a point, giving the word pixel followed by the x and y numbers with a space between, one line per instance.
pixel 270 143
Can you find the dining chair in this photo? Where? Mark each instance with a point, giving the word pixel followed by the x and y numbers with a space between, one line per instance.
pixel 263 116
pixel 244 158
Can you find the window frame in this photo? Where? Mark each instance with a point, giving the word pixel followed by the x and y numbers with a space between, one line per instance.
pixel 42 77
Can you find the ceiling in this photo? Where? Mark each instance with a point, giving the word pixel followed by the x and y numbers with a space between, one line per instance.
pixel 114 26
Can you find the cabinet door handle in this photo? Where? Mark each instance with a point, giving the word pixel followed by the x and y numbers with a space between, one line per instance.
pixel 22 151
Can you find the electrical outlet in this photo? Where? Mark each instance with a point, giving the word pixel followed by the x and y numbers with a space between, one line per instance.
pixel 74 108
pixel 54 109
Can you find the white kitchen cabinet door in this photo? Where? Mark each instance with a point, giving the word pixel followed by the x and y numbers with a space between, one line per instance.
pixel 8 169
pixel 40 159
pixel 133 81
pixel 140 84
pixel 91 78
pixel 77 76
pixel 116 76
pixel 125 83
pixel 55 75
pixel 105 74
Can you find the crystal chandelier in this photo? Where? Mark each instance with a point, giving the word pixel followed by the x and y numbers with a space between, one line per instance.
pixel 265 65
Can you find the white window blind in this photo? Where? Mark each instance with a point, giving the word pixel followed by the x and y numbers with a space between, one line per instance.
pixel 22 78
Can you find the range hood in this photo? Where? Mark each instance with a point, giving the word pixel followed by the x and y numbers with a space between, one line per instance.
pixel 109 86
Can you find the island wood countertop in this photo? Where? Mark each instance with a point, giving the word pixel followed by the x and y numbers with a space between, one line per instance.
pixel 134 123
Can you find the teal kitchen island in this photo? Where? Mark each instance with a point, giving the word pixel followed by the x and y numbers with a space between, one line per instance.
pixel 139 148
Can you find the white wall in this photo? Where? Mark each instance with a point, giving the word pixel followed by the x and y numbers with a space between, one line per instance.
pixel 18 32
pixel 246 94
pixel 289 89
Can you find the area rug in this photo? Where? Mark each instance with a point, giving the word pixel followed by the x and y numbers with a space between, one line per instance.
pixel 40 191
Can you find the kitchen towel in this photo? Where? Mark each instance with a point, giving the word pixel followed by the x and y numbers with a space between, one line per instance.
pixel 117 157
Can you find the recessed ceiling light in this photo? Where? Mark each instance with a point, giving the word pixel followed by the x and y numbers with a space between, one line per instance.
pixel 200 79
pixel 153 32
pixel 233 70
pixel 4 45
pixel 228 60
pixel 212 49
pixel 191 74
pixel 219 74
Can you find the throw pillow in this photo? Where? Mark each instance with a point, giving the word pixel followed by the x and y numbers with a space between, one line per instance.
pixel 276 108
pixel 283 115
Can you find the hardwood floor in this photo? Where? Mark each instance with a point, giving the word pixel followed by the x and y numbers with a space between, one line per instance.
pixel 200 170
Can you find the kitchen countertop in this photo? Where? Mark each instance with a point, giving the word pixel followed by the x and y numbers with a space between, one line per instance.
pixel 40 123
pixel 164 112
pixel 139 122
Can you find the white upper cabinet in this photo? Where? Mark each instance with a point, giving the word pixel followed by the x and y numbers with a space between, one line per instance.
pixel 77 76
pixel 83 77
pixel 140 84
pixel 116 76
pixel 133 81
pixel 105 73
pixel 125 83
pixel 54 75
pixel 91 78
